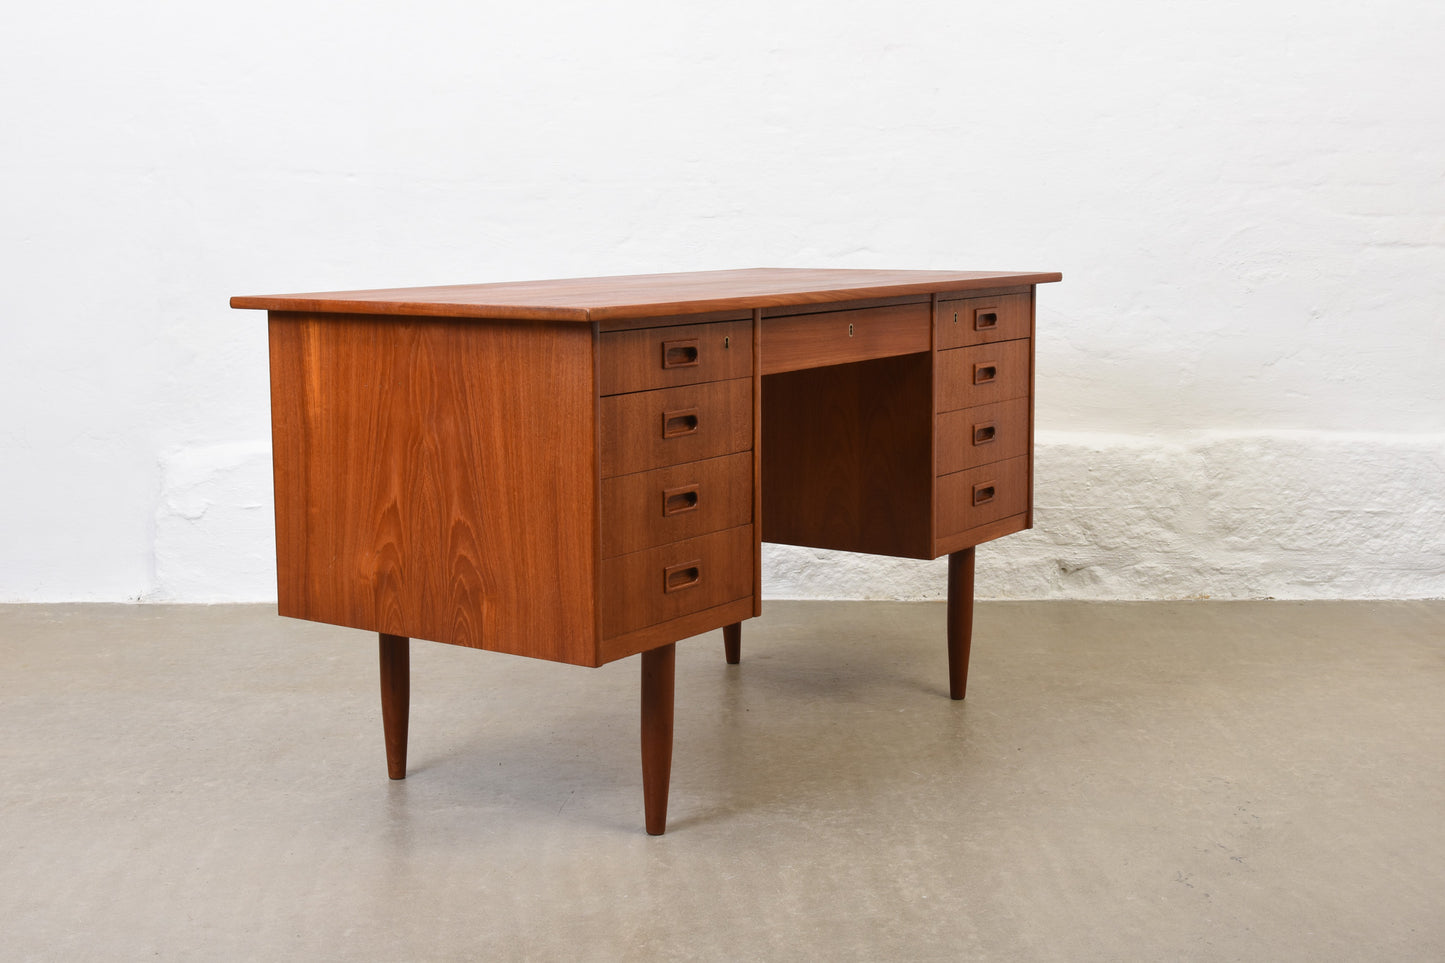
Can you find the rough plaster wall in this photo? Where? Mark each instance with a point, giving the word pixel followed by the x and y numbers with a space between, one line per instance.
pixel 1297 515
pixel 1239 380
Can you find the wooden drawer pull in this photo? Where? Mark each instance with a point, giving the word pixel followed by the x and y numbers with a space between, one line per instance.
pixel 680 354
pixel 676 501
pixel 985 373
pixel 983 493
pixel 683 575
pixel 985 319
pixel 985 433
pixel 675 424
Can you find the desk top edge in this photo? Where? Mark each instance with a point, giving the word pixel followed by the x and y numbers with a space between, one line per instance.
pixel 642 295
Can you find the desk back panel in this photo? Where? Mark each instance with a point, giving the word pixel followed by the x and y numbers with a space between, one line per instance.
pixel 437 479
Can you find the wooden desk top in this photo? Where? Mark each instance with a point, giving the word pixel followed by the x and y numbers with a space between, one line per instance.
pixel 643 295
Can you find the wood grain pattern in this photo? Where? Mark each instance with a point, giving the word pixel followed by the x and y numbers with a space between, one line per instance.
pixel 843 337
pixel 846 457
pixel 435 480
pixel 638 435
pixel 959 495
pixel 643 295
pixel 969 437
pixel 1005 317
pixel 647 358
pixel 636 589
pixel 650 508
pixel 960 372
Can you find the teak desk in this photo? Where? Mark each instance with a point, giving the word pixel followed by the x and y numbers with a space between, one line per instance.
pixel 585 470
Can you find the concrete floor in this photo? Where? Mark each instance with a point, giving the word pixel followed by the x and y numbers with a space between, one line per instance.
pixel 1201 781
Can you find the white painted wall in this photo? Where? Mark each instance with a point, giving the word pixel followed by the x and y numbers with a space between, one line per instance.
pixel 1240 387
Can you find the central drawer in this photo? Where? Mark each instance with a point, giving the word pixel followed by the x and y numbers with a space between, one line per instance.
pixel 842 337
pixel 653 429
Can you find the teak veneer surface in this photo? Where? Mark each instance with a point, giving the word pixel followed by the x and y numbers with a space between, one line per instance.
pixel 643 295
pixel 408 450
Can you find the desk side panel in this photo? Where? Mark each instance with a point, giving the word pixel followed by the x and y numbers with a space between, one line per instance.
pixel 436 479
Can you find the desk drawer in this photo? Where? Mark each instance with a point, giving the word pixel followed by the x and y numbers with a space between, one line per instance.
pixel 982 375
pixel 966 499
pixel 841 337
pixel 684 355
pixel 658 584
pixel 651 508
pixel 1005 317
pixel 653 429
pixel 970 437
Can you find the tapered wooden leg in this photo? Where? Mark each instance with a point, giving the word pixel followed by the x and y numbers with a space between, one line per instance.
pixel 395 700
pixel 733 642
pixel 658 671
pixel 960 620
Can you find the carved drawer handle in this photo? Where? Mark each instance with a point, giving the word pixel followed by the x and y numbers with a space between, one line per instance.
pixel 985 319
pixel 683 575
pixel 680 354
pixel 675 424
pixel 985 433
pixel 983 493
pixel 985 373
pixel 676 501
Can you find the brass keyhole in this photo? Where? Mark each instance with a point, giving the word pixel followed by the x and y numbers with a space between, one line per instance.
pixel 850 331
